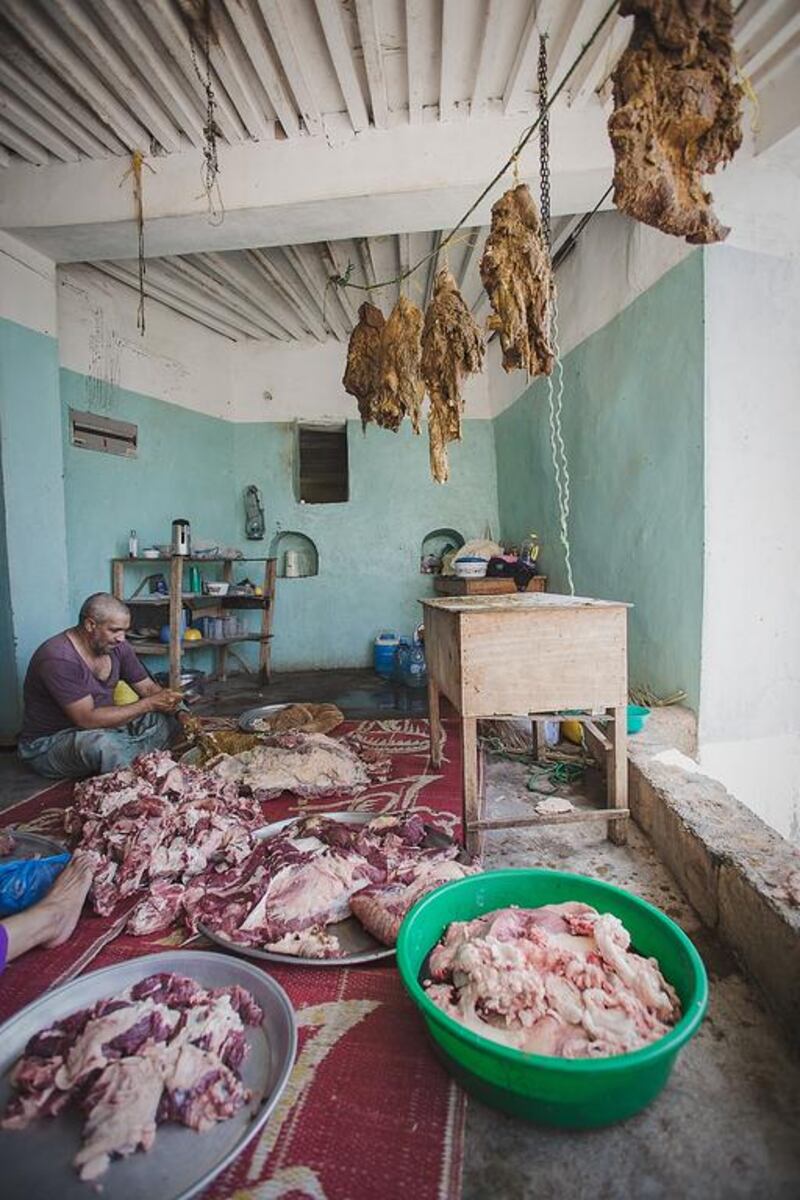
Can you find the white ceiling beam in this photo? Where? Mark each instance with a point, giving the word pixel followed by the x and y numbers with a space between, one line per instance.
pixel 367 15
pixel 231 268
pixel 769 40
pixel 197 275
pixel 592 73
pixel 281 274
pixel 167 23
pixel 330 16
pixel 51 47
pixel 159 295
pixel 342 294
pixel 109 64
pixel 451 48
pixel 20 115
pixel 5 158
pixel 473 250
pixel 26 147
pixel 779 106
pixel 575 26
pixel 238 76
pixel 62 115
pixel 433 263
pixel 305 262
pixel 278 23
pixel 489 41
pixel 261 58
pixel 522 77
pixel 751 15
pixel 414 55
pixel 176 96
pixel 367 263
pixel 170 279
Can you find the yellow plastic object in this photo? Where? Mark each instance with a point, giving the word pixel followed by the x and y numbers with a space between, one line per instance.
pixel 123 694
pixel 571 730
pixel 192 635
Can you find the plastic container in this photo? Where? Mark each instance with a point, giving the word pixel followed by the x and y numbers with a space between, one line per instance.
pixel 133 545
pixel 566 1093
pixel 637 715
pixel 383 654
pixel 415 673
pixel 401 659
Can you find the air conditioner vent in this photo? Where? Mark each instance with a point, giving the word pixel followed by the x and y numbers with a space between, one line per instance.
pixel 92 432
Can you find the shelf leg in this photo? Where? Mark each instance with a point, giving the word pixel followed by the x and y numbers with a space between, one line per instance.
pixel 434 722
pixel 473 801
pixel 175 608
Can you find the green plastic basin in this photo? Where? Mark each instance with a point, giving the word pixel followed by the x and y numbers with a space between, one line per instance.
pixel 637 715
pixel 568 1093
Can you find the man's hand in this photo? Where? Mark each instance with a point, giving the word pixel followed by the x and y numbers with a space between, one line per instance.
pixel 164 701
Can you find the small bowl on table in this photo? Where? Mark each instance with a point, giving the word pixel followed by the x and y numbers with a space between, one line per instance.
pixel 471 568
pixel 578 1093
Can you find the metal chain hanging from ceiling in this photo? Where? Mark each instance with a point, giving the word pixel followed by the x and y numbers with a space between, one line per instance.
pixel 555 394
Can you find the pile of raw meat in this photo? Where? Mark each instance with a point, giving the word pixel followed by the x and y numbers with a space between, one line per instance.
pixel 163 1050
pixel 558 980
pixel 315 873
pixel 307 764
pixel 154 825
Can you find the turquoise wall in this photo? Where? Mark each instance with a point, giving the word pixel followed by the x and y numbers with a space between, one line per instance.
pixel 33 563
pixel 633 427
pixel 369 548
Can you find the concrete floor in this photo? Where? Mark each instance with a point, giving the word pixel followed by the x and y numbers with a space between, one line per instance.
pixel 727 1124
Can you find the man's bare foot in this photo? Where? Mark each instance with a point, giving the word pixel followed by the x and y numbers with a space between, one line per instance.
pixel 64 901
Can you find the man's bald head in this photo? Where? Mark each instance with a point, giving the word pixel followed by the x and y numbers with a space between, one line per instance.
pixel 102 607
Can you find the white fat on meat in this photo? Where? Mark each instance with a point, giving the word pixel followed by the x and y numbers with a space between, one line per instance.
pixel 123 1104
pixel 557 980
pixel 90 1051
pixel 314 942
pixel 309 764
pixel 316 892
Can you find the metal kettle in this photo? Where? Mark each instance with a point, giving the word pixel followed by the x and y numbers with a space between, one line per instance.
pixel 181 537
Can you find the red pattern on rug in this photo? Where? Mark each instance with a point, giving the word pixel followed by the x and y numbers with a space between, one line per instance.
pixel 368 1110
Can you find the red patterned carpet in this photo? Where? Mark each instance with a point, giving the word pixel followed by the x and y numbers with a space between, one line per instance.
pixel 368 1111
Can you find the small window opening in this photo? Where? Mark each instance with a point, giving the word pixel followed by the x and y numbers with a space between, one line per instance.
pixel 322 464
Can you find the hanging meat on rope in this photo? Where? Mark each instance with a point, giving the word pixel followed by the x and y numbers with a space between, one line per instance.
pixel 362 373
pixel 401 388
pixel 518 278
pixel 677 114
pixel 452 347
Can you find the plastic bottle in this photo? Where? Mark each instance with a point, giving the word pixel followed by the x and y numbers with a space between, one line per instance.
pixel 133 545
pixel 416 672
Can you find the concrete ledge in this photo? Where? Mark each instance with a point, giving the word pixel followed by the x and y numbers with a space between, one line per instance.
pixel 732 867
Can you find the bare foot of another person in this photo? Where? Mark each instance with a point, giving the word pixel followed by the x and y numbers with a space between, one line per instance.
pixel 65 899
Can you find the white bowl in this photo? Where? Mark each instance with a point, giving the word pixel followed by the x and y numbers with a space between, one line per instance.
pixel 151 552
pixel 470 570
pixel 218 589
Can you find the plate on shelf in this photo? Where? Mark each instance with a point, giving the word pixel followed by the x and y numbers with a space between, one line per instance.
pixel 358 945
pixel 247 719
pixel 37 1161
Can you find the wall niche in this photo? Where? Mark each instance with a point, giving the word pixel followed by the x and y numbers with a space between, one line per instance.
pixel 297 555
pixel 435 544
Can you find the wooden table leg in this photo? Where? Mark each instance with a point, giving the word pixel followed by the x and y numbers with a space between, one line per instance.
pixel 538 740
pixel 473 801
pixel 618 774
pixel 434 721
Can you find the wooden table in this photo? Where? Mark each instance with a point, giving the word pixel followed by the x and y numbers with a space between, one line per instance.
pixel 529 655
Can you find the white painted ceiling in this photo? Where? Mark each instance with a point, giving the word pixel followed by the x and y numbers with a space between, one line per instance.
pixel 350 130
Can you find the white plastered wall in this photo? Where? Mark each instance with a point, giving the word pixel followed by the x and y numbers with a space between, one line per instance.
pixel 749 728
pixel 27 287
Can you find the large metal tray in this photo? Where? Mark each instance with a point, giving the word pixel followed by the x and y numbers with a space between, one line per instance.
pixel 37 1161
pixel 253 714
pixel 31 845
pixel 358 945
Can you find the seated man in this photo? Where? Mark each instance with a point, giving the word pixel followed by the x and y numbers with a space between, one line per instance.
pixel 71 727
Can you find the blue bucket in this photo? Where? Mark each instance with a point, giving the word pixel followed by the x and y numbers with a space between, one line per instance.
pixel 383 653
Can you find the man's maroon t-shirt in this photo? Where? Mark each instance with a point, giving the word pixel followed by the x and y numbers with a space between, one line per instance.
pixel 57 675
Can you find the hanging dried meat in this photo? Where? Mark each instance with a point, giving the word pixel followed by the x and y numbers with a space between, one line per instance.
pixel 677 114
pixel 362 373
pixel 452 347
pixel 518 278
pixel 401 388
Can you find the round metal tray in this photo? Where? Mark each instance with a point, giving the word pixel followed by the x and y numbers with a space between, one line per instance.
pixel 253 714
pixel 358 945
pixel 31 845
pixel 37 1161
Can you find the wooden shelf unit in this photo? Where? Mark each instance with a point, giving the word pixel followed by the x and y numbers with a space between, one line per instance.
pixel 177 599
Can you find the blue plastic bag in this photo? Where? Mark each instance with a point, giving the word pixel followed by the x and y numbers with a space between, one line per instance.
pixel 25 880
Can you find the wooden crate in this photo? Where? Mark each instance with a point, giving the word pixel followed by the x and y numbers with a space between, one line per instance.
pixel 449 585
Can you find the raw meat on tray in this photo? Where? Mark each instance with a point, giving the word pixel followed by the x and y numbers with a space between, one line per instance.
pixel 166 1049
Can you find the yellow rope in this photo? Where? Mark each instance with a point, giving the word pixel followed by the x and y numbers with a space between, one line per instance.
pixel 135 169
